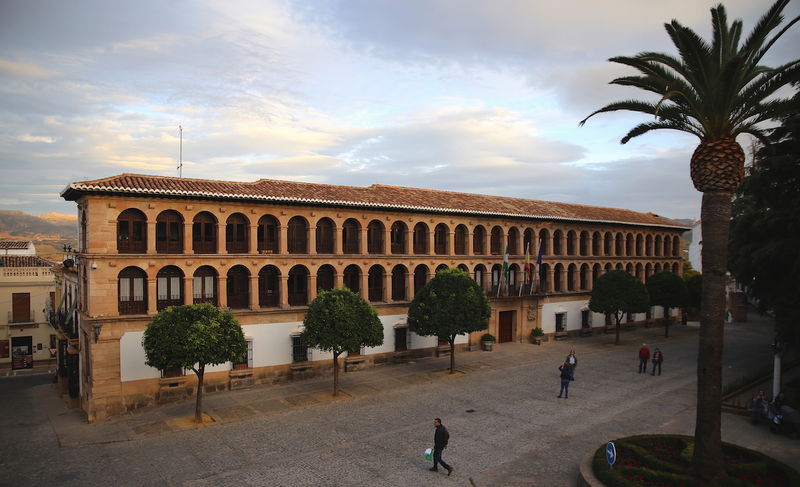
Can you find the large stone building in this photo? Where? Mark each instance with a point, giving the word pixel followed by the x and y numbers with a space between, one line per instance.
pixel 264 249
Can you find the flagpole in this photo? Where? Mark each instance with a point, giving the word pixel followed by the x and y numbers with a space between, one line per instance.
pixel 526 267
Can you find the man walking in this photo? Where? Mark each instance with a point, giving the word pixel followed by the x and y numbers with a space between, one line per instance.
pixel 566 377
pixel 644 357
pixel 440 438
pixel 658 357
pixel 572 361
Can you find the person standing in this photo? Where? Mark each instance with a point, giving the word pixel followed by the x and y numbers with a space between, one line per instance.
pixel 658 357
pixel 572 360
pixel 644 357
pixel 566 377
pixel 440 439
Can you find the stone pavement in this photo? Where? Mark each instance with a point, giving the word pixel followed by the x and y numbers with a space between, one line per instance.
pixel 507 427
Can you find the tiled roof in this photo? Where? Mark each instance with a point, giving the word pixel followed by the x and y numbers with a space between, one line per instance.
pixel 375 196
pixel 24 261
pixel 14 244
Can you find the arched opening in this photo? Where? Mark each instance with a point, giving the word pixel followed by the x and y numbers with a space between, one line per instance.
pixel 420 238
pixel 420 277
pixel 629 245
pixel 375 233
pixel 441 267
pixel 558 281
pixel 169 232
pixel 596 243
pixel 269 286
pixel 480 275
pixel 132 295
pixel 571 277
pixel 571 238
pixel 399 283
pixel 351 236
pixel 544 242
pixel 512 241
pixel 169 287
pixel 298 286
pixel 639 245
pixel 440 239
pixel 204 233
pixel 558 239
pixel 375 282
pixel 585 276
pixel 204 284
pixel 352 278
pixel 496 241
pixel 399 237
pixel 268 235
pixel 460 240
pixel 479 240
pixel 648 245
pixel 238 287
pixel 326 278
pixel 325 235
pixel 584 243
pixel 619 247
pixel 657 246
pixel 236 230
pixel 131 232
pixel 608 242
pixel 297 236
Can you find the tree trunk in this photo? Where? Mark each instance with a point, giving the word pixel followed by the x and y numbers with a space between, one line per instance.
pixel 198 405
pixel 666 323
pixel 453 356
pixel 618 318
pixel 715 215
pixel 335 374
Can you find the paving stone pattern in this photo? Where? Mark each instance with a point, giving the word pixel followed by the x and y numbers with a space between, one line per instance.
pixel 517 433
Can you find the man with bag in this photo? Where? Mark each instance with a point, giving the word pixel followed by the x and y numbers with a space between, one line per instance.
pixel 440 439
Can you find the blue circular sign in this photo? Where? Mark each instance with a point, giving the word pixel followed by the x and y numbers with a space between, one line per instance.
pixel 611 453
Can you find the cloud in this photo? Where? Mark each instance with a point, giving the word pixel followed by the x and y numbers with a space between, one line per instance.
pixel 19 69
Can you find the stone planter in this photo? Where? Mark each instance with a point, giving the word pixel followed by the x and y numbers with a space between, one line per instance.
pixel 486 345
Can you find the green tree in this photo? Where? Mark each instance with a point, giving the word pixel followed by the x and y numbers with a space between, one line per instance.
pixel 451 304
pixel 668 290
pixel 191 337
pixel 616 293
pixel 341 321
pixel 715 91
pixel 765 233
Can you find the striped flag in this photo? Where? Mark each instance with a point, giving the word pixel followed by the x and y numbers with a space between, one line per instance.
pixel 527 267
pixel 538 267
pixel 504 272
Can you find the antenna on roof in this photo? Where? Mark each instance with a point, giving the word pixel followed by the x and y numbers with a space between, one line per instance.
pixel 180 153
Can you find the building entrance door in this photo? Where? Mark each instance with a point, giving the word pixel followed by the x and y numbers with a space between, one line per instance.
pixel 506 327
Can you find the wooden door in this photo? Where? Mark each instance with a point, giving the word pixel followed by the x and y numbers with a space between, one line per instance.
pixel 506 327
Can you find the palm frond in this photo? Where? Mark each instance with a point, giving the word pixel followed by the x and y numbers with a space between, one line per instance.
pixel 629 105
pixel 643 128
pixel 766 24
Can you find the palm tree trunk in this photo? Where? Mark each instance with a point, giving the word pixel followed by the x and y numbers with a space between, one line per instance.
pixel 198 404
pixel 335 374
pixel 715 215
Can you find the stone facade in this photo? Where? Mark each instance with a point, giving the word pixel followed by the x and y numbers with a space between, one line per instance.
pixel 147 242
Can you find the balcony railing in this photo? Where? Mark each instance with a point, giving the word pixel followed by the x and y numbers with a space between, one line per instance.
pixel 31 318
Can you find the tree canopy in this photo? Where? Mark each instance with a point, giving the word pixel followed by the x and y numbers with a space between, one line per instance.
pixel 451 304
pixel 191 337
pixel 341 321
pixel 667 289
pixel 765 230
pixel 616 293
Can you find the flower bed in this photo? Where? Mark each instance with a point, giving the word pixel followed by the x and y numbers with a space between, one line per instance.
pixel 665 460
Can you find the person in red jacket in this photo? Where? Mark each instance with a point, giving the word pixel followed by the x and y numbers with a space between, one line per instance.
pixel 644 357
pixel 658 357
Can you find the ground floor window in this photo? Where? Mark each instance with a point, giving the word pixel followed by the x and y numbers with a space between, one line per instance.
pixel 400 338
pixel 586 319
pixel 561 322
pixel 299 350
pixel 247 360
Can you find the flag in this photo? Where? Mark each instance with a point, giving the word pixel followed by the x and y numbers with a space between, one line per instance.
pixel 527 276
pixel 503 273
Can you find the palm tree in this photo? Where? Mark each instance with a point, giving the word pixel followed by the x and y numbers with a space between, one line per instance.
pixel 715 92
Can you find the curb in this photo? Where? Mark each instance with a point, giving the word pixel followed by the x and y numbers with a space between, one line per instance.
pixel 586 476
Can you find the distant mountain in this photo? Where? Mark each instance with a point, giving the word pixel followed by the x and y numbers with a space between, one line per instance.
pixel 683 221
pixel 22 226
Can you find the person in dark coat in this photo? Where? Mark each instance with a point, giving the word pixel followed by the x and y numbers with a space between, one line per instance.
pixel 440 439
pixel 566 377
pixel 572 360
pixel 644 357
pixel 658 357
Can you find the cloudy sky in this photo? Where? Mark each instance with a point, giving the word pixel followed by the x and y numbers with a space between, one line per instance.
pixel 464 95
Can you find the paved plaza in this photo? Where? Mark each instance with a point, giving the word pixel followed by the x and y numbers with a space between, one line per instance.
pixel 507 427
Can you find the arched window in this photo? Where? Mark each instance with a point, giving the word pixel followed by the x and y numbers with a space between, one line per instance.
pixel 169 232
pixel 204 233
pixel 584 245
pixel 544 242
pixel 169 287
pixel 298 286
pixel 675 268
pixel 657 268
pixel 375 283
pixel 571 238
pixel 648 245
pixel 464 268
pixel 238 284
pixel 585 276
pixel 236 230
pixel 596 270
pixel 497 271
pixel 544 277
pixel 326 231
pixel 676 246
pixel 629 268
pixel 351 237
pixel 297 236
pixel 440 239
pixel 608 242
pixel 571 277
pixel 269 286
pixel 667 250
pixel 596 243
pixel 513 281
pixel 513 241
pixel 479 240
pixel 639 244
pixel 460 240
pixel 399 283
pixel 375 234
pixel 480 275
pixel 326 278
pixel 558 282
pixel 619 247
pixel 352 278
pixel 131 232
pixel 420 277
pixel 558 239
pixel 528 244
pixel 420 238
pixel 648 271
pixel 629 245
pixel 132 291
pixel 204 283
pixel 268 235
pixel 657 246
pixel 496 241
pixel 640 272
pixel 399 236
pixel 441 267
